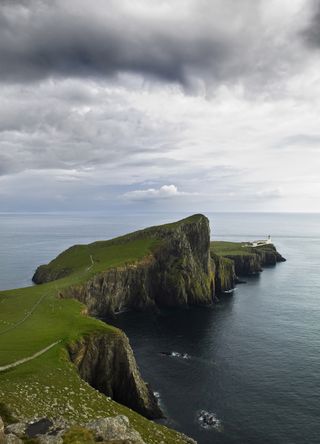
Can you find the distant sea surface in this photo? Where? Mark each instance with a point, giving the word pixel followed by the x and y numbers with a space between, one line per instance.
pixel 253 359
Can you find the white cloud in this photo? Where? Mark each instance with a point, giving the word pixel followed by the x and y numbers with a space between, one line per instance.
pixel 164 192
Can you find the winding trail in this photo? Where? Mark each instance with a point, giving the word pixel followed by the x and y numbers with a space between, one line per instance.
pixel 29 358
pixel 12 327
pixel 92 263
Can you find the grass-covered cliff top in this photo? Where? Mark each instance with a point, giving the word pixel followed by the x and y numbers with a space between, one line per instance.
pixel 35 318
pixel 224 248
pixel 83 261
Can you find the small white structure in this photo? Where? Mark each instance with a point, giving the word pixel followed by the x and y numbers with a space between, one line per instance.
pixel 259 243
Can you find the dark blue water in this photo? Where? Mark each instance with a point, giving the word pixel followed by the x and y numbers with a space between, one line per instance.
pixel 254 357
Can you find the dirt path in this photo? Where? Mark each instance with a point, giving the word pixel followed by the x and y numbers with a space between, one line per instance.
pixel 12 327
pixel 29 358
pixel 92 263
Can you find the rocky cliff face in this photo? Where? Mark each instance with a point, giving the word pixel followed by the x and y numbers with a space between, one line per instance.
pixel 178 273
pixel 224 273
pixel 107 363
pixel 259 257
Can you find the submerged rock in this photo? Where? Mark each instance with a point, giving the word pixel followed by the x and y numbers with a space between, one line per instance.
pixel 208 420
pixel 175 354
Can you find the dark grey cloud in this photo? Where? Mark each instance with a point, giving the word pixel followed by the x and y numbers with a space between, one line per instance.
pixel 311 33
pixel 205 40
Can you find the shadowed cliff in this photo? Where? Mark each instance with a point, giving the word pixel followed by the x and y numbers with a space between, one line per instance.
pixel 107 363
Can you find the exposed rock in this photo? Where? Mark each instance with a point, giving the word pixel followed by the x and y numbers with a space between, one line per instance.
pixel 106 362
pixel 50 439
pixel 12 439
pixel 114 430
pixel 1 431
pixel 246 265
pixel 18 429
pixel 110 430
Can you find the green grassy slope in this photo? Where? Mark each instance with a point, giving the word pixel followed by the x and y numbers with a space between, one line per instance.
pixel 33 318
pixel 84 261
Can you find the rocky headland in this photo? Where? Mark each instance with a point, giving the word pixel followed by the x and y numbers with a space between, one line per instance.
pixel 177 271
pixel 181 268
pixel 246 260
pixel 173 265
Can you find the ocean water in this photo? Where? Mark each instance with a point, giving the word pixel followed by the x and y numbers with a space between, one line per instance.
pixel 252 360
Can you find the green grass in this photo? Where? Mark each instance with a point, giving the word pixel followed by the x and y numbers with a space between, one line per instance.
pixel 224 248
pixel 49 385
pixel 112 253
pixel 76 261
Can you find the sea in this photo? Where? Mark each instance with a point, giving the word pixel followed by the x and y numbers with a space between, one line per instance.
pixel 245 370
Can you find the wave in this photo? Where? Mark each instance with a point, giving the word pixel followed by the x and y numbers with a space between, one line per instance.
pixel 175 354
pixel 208 420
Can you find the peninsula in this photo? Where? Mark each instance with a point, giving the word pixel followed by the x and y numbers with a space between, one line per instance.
pixel 60 362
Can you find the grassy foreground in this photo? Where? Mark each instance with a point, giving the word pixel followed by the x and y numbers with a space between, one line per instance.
pixel 32 318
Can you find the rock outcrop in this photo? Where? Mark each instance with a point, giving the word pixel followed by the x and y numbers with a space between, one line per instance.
pixel 107 363
pixel 1 431
pixel 112 430
pixel 108 430
pixel 253 263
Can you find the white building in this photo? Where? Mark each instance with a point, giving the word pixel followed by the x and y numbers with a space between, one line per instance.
pixel 259 243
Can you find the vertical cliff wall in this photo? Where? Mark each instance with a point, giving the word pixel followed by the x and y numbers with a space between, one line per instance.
pixel 107 363
pixel 224 273
pixel 253 260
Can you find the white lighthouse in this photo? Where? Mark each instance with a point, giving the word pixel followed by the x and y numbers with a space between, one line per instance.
pixel 259 243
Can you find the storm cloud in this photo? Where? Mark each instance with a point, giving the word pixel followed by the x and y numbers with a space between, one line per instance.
pixel 190 42
pixel 311 32
pixel 184 104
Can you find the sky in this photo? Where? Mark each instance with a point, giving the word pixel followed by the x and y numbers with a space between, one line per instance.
pixel 160 105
